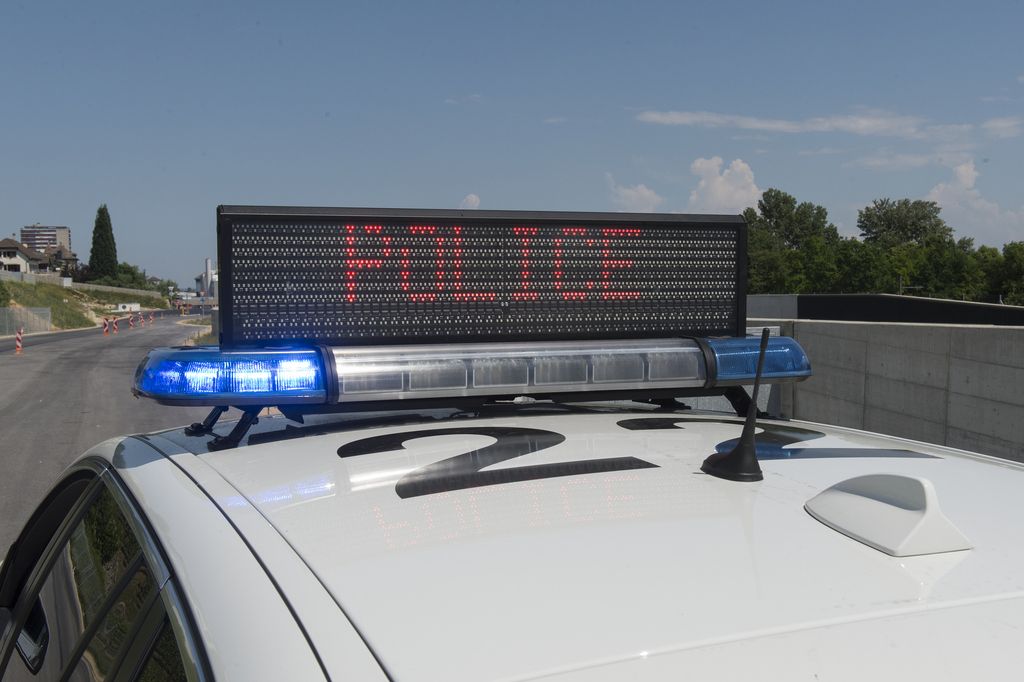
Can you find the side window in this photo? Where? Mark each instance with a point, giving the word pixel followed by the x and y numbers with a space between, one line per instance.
pixel 98 601
pixel 34 638
pixel 110 639
pixel 163 664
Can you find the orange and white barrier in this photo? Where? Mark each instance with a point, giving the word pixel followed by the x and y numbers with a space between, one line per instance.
pixel 131 321
pixel 17 340
pixel 115 325
pixel 142 320
pixel 151 318
pixel 106 327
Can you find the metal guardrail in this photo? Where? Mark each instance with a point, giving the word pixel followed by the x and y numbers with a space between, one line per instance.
pixel 30 319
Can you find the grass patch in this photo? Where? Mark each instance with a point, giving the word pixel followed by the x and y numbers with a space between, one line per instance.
pixel 67 307
pixel 71 308
pixel 200 321
pixel 207 339
pixel 113 297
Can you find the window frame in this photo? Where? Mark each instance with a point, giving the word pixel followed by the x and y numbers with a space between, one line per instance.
pixel 32 556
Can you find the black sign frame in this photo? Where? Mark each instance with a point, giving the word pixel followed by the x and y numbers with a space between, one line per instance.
pixel 228 216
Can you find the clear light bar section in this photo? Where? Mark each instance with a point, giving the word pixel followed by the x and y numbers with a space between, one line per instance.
pixel 209 376
pixel 452 370
pixel 736 360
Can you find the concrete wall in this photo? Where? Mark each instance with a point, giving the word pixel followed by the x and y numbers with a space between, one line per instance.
pixel 772 306
pixel 961 386
pixel 39 278
pixel 36 278
pixel 116 290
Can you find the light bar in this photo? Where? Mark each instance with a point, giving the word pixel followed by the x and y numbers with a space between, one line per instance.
pixel 411 372
pixel 736 360
pixel 210 376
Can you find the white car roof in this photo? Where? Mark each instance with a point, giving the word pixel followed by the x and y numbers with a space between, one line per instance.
pixel 652 572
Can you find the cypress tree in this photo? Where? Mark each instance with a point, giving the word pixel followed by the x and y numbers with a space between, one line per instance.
pixel 103 256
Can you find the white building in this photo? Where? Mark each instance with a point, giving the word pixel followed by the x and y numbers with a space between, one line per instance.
pixel 16 257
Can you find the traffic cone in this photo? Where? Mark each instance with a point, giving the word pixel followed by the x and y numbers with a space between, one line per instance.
pixel 142 320
pixel 106 327
pixel 131 322
pixel 115 325
pixel 17 340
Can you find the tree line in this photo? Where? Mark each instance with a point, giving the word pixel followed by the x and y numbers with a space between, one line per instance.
pixel 904 247
pixel 104 268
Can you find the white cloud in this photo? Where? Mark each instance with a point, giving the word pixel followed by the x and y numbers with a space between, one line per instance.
pixel 971 214
pixel 885 161
pixel 464 99
pixel 821 151
pixel 966 175
pixel 949 132
pixel 1010 126
pixel 636 198
pixel 728 191
pixel 470 201
pixel 867 123
pixel 890 161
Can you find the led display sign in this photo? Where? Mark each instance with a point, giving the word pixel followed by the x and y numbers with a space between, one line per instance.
pixel 375 276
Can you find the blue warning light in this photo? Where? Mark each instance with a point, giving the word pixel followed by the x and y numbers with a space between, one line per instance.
pixel 736 360
pixel 210 376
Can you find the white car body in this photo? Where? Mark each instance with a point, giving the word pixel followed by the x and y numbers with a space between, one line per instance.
pixel 299 563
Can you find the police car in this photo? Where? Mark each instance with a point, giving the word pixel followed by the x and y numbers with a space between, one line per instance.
pixel 465 454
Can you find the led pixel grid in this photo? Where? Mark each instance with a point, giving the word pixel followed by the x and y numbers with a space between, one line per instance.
pixel 342 280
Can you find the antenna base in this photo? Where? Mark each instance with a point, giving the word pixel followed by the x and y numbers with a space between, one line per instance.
pixel 739 464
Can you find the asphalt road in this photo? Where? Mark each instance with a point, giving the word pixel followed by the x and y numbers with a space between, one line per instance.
pixel 65 393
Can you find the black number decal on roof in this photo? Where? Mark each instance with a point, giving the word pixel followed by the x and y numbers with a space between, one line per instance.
pixel 772 440
pixel 464 471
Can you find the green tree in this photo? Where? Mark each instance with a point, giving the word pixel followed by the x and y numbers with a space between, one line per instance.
pixel 862 268
pixel 1013 273
pixel 103 256
pixel 791 246
pixel 990 264
pixel 127 276
pixel 944 268
pixel 889 223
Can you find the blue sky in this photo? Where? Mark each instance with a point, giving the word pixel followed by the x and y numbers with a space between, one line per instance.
pixel 165 110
